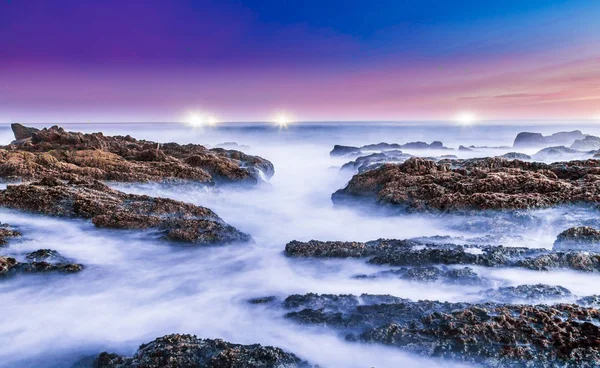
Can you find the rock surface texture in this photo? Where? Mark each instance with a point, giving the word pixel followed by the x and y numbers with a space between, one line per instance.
pixel 475 184
pixel 67 155
pixel 578 238
pixel 187 351
pixel 110 208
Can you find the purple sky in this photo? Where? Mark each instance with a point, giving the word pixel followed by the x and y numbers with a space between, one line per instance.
pixel 155 60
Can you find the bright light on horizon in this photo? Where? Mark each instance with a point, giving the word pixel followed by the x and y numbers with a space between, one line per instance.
pixel 199 120
pixel 466 118
pixel 282 119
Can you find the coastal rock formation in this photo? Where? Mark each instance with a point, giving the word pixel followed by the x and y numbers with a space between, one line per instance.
pixel 74 156
pixel 526 293
pixel 493 335
pixel 407 253
pixel 375 160
pixel 179 351
pixel 516 156
pixel 475 184
pixel 10 266
pixel 339 150
pixel 110 208
pixel 459 276
pixel 527 139
pixel 578 238
pixel 588 143
pixel 557 153
pixel 7 232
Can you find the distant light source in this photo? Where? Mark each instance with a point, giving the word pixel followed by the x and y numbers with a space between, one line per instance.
pixel 466 118
pixel 282 120
pixel 199 120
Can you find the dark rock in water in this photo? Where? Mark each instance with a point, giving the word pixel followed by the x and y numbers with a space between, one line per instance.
pixel 590 301
pixel 7 232
pixel 9 266
pixel 74 156
pixel 187 351
pixel 516 156
pixel 375 160
pixel 407 253
pixel 475 184
pixel 46 255
pixel 22 132
pixel 109 208
pixel 262 300
pixel 381 147
pixel 232 145
pixel 448 156
pixel 492 335
pixel 464 149
pixel 526 293
pixel 578 238
pixel 553 153
pixel 339 150
pixel 527 139
pixel 459 276
pixel 588 143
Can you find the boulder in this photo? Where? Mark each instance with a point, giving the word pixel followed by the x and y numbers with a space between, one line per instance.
pixel 527 139
pixel 578 238
pixel 10 266
pixel 588 143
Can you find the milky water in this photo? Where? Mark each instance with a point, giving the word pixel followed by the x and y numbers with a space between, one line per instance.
pixel 135 288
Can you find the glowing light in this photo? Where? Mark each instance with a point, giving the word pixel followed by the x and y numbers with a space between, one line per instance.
pixel 282 120
pixel 199 120
pixel 466 118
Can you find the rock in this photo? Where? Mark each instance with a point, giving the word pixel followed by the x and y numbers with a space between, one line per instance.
pixel 7 232
pixel 578 238
pixel 46 255
pixel 109 208
pixel 588 143
pixel 475 184
pixel 262 300
pixel 555 153
pixel 526 293
pixel 489 334
pixel 408 253
pixel 179 351
pixel 9 267
pixel 516 156
pixel 382 147
pixel 339 150
pixel 464 149
pixel 75 156
pixel 375 160
pixel 458 276
pixel 22 132
pixel 592 301
pixel 527 139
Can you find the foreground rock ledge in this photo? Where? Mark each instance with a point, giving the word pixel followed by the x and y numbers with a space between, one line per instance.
pixel 108 208
pixel 488 334
pixel 476 184
pixel 71 156
pixel 178 351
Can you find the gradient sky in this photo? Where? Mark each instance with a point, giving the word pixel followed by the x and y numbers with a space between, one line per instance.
pixel 151 60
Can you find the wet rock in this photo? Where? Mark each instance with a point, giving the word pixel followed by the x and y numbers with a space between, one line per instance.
pixel 408 253
pixel 10 266
pixel 588 143
pixel 178 351
pixel 46 255
pixel 108 208
pixel 263 300
pixel 490 334
pixel 526 293
pixel 475 184
pixel 7 232
pixel 527 139
pixel 458 276
pixel 578 238
pixel 516 156
pixel 375 160
pixel 74 156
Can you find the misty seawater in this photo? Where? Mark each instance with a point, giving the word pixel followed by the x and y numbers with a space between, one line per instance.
pixel 135 288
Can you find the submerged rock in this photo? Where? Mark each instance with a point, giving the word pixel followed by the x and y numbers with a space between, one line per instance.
pixel 526 293
pixel 179 351
pixel 7 232
pixel 73 156
pixel 475 184
pixel 493 335
pixel 10 266
pixel 459 276
pixel 409 253
pixel 578 238
pixel 375 160
pixel 109 208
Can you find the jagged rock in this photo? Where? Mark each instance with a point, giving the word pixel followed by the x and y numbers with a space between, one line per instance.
pixel 407 253
pixel 590 301
pixel 7 232
pixel 526 293
pixel 555 153
pixel 475 184
pixel 339 150
pixel 516 156
pixel 173 220
pixel 46 255
pixel 588 143
pixel 464 149
pixel 22 132
pixel 9 266
pixel 527 139
pixel 187 351
pixel 492 335
pixel 578 238
pixel 375 160
pixel 74 156
pixel 262 300
pixel 460 276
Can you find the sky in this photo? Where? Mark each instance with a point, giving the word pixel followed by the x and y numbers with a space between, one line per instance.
pixel 336 60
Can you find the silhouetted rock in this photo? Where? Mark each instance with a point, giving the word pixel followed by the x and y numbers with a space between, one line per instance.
pixel 382 147
pixel 464 149
pixel 408 253
pixel 578 238
pixel 187 351
pixel 588 143
pixel 375 160
pixel 516 156
pixel 555 153
pixel 110 208
pixel 10 266
pixel 22 132
pixel 339 150
pixel 527 139
pixel 459 276
pixel 475 184
pixel 74 156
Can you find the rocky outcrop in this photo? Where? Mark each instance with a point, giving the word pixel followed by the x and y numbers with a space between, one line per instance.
pixel 493 335
pixel 407 253
pixel 464 149
pixel 10 266
pixel 375 160
pixel 556 153
pixel 578 238
pixel 22 133
pixel 527 139
pixel 74 156
pixel 179 351
pixel 588 143
pixel 339 150
pixel 458 276
pixel 475 184
pixel 108 208
pixel 526 293
pixel 7 232
pixel 516 156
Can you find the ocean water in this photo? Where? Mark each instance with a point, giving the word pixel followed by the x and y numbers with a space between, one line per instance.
pixel 135 288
